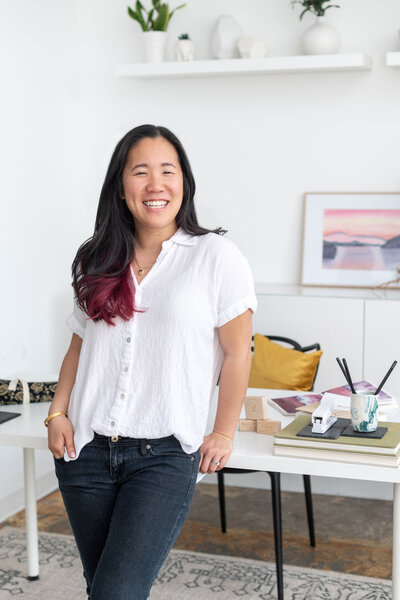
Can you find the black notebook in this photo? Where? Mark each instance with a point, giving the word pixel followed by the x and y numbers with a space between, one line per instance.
pixel 7 416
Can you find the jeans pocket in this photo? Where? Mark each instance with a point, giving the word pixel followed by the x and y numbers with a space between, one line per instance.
pixel 170 448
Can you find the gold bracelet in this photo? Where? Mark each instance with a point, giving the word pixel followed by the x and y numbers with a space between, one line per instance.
pixel 225 437
pixel 56 414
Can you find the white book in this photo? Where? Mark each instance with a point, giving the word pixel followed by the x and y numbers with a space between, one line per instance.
pixel 353 457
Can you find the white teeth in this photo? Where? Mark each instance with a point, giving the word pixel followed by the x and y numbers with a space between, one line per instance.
pixel 156 203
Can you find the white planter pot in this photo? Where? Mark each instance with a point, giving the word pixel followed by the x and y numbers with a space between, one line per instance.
pixel 154 45
pixel 184 50
pixel 320 38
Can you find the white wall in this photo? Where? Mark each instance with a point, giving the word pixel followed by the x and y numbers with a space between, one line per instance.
pixel 256 145
pixel 39 202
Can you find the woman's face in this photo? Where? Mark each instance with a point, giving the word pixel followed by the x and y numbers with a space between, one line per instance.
pixel 153 183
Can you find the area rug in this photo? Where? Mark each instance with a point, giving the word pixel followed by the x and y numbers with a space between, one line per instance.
pixel 184 576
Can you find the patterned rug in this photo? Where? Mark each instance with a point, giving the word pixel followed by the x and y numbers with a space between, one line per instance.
pixel 184 576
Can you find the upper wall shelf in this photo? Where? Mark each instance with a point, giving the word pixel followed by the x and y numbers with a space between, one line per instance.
pixel 248 66
pixel 393 59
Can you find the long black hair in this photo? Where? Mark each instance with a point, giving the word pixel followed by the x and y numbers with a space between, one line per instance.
pixel 101 268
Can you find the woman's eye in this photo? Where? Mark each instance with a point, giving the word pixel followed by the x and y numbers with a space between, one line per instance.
pixel 168 173
pixel 141 173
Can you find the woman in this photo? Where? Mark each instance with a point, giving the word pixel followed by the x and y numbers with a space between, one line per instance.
pixel 163 307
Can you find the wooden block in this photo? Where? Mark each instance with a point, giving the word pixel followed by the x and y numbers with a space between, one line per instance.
pixel 268 426
pixel 256 407
pixel 247 425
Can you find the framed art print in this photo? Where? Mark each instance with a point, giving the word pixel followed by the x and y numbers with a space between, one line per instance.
pixel 351 239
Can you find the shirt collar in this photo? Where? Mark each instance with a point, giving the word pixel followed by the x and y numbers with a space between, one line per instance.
pixel 181 237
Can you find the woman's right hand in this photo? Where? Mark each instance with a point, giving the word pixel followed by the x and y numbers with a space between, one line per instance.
pixel 61 437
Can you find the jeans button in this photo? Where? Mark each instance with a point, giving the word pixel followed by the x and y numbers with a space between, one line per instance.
pixel 148 447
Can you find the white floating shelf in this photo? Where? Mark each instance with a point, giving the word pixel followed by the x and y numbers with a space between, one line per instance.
pixel 248 66
pixel 393 59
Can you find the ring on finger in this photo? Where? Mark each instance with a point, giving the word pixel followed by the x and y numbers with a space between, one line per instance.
pixel 216 462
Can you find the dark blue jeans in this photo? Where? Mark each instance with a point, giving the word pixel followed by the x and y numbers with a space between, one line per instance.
pixel 126 502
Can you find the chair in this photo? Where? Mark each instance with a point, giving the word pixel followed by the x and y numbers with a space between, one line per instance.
pixel 275 487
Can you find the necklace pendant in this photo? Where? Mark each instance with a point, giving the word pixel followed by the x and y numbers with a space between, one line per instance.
pixel 140 271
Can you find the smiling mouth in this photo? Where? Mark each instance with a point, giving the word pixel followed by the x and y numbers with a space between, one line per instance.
pixel 155 203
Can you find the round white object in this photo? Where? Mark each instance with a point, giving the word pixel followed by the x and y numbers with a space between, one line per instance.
pixel 251 47
pixel 320 38
pixel 225 37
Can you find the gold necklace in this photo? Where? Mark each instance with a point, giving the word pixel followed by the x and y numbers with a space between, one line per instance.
pixel 141 269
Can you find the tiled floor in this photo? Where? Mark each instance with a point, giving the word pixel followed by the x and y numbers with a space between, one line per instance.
pixel 353 535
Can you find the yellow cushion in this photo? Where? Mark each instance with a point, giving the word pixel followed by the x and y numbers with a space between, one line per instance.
pixel 276 367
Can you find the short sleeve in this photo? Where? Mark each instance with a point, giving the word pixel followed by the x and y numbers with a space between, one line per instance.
pixel 234 282
pixel 77 320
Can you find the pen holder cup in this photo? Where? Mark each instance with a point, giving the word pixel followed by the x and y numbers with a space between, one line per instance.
pixel 364 412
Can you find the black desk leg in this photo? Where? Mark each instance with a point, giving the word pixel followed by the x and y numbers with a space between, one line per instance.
pixel 221 494
pixel 277 512
pixel 309 506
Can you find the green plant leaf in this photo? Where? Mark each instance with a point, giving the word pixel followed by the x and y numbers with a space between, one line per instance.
pixel 161 22
pixel 149 19
pixel 140 18
pixel 137 18
pixel 304 12
pixel 176 8
pixel 131 13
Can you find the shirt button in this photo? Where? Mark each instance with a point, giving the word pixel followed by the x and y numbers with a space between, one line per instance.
pixel 112 423
pixel 148 447
pixel 128 339
pixel 126 369
pixel 122 396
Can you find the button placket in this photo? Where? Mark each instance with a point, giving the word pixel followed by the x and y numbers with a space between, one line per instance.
pixel 123 381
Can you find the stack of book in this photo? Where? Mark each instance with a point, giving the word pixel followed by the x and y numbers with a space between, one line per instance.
pixel 384 452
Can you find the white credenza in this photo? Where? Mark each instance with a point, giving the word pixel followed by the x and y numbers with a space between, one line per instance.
pixel 359 324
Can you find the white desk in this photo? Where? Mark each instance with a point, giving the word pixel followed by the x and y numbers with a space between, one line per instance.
pixel 251 451
pixel 28 432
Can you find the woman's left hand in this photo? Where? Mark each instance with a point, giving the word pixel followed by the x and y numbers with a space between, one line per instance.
pixel 215 452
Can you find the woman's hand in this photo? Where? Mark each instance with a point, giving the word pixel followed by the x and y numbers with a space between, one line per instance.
pixel 61 436
pixel 214 449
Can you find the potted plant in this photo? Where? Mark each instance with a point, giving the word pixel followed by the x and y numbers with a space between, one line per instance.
pixel 184 48
pixel 320 38
pixel 154 23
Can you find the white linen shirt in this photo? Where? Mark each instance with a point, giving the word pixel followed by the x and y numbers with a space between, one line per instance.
pixel 154 375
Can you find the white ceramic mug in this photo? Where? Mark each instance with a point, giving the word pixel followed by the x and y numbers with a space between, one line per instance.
pixel 364 412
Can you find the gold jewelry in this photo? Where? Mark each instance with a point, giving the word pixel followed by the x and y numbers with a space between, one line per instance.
pixel 141 269
pixel 56 414
pixel 221 435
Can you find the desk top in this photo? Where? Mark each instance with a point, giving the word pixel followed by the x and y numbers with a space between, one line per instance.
pixel 251 450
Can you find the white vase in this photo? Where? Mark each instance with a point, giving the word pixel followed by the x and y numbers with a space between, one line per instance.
pixel 320 38
pixel 154 45
pixel 184 50
pixel 225 38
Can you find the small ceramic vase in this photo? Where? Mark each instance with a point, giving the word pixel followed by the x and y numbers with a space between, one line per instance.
pixel 320 38
pixel 184 50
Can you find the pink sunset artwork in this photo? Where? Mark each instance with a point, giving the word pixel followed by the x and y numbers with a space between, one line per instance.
pixel 361 239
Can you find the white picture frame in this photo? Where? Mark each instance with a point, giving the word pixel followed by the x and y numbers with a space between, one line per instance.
pixel 346 239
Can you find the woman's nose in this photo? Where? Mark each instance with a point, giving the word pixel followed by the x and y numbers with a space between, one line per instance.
pixel 155 183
